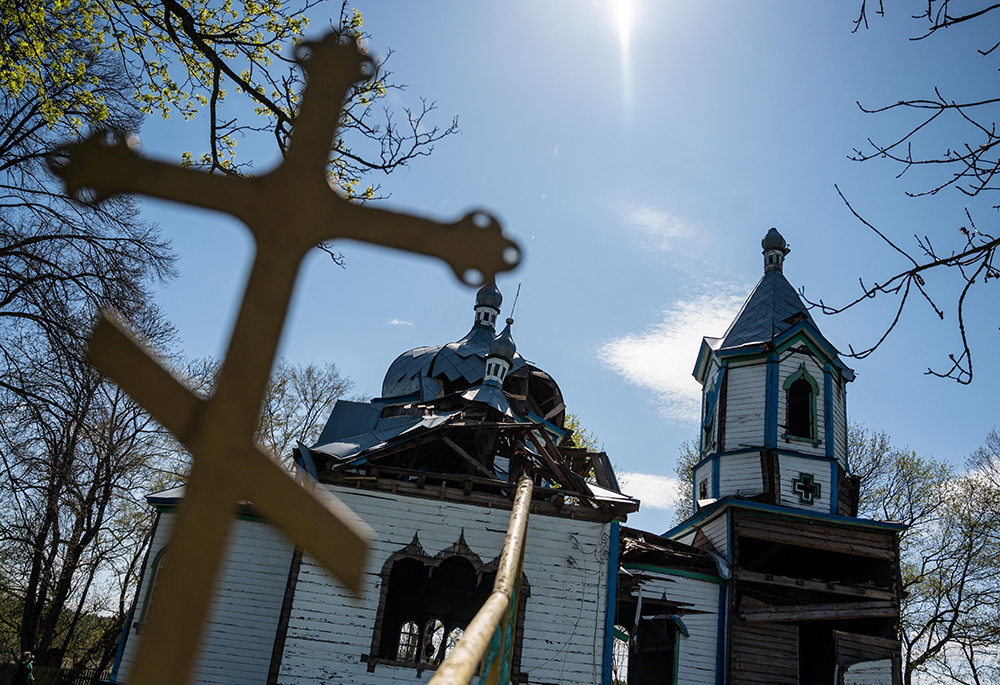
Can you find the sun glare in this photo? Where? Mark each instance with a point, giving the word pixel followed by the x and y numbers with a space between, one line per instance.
pixel 623 15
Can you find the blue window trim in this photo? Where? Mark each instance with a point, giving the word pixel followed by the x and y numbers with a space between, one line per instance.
pixel 828 413
pixel 612 605
pixel 834 487
pixel 771 403
pixel 721 672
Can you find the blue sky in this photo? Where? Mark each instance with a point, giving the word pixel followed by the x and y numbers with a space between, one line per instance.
pixel 638 165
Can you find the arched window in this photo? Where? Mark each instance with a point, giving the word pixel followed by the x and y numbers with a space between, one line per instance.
pixel 427 602
pixel 619 658
pixel 453 637
pixel 800 405
pixel 409 639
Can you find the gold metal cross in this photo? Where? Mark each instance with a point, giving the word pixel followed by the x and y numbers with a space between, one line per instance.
pixel 289 210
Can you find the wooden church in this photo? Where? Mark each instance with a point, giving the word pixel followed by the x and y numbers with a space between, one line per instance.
pixel 771 580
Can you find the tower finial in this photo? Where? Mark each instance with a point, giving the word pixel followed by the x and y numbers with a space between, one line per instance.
pixel 500 358
pixel 775 249
pixel 488 301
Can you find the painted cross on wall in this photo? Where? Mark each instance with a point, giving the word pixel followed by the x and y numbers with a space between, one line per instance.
pixel 806 487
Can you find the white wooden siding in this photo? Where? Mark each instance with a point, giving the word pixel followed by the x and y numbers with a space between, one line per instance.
pixel 740 474
pixel 717 531
pixel 745 394
pixel 239 635
pixel 697 653
pixel 790 467
pixel 790 363
pixel 704 472
pixel 566 564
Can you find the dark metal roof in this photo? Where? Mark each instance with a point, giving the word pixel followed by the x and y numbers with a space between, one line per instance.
pixel 491 396
pixel 350 418
pixel 773 308
pixel 463 359
pixel 387 430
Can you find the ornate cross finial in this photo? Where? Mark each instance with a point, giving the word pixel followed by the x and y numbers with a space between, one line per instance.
pixel 288 210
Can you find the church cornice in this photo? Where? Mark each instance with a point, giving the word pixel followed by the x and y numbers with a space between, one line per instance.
pixel 780 512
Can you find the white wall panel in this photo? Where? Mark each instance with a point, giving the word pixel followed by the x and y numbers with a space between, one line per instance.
pixel 740 474
pixel 745 397
pixel 697 653
pixel 565 564
pixel 239 635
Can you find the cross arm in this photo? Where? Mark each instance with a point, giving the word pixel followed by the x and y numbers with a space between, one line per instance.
pixel 109 168
pixel 319 522
pixel 474 243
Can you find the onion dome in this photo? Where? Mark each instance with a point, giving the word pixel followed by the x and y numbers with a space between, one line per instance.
pixel 774 241
pixel 488 301
pixel 489 296
pixel 503 345
pixel 775 249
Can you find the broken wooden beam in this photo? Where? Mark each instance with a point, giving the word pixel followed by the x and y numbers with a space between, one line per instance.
pixel 816 585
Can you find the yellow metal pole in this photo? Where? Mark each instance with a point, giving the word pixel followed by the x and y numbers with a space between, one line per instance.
pixel 463 662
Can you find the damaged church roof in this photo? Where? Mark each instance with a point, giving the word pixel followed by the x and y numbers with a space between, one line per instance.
pixel 472 416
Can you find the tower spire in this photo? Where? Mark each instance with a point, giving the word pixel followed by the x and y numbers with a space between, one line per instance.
pixel 500 357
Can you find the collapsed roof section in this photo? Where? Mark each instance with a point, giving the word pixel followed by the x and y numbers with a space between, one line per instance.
pixel 465 420
pixel 470 447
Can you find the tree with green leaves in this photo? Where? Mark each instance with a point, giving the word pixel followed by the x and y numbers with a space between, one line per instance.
pixel 78 454
pixel 73 521
pixel 687 458
pixel 581 437
pixel 949 554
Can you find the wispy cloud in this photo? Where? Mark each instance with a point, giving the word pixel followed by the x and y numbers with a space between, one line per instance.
pixel 661 358
pixel 653 491
pixel 663 231
pixel 399 322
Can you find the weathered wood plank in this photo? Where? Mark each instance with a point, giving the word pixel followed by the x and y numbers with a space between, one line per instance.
pixel 819 612
pixel 815 535
pixel 832 588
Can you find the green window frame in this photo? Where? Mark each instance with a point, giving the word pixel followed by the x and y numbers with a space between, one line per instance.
pixel 800 389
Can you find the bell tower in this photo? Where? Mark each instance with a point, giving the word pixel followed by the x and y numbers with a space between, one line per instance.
pixel 774 416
